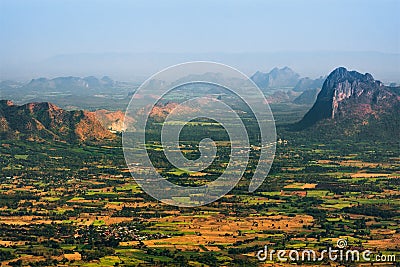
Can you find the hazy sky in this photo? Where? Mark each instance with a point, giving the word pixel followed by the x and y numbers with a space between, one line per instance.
pixel 34 31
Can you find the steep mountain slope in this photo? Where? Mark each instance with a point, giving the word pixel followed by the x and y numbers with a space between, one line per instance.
pixel 38 121
pixel 356 102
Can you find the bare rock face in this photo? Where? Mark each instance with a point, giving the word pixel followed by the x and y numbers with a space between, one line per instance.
pixel 350 94
pixel 114 121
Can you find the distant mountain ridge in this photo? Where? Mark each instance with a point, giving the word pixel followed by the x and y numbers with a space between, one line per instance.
pixel 71 93
pixel 284 77
pixel 91 93
pixel 71 83
pixel 354 100
pixel 308 84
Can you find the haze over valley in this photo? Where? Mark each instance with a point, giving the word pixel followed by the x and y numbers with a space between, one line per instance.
pixel 289 142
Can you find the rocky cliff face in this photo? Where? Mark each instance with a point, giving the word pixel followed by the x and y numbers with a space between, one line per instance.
pixel 43 121
pixel 350 94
